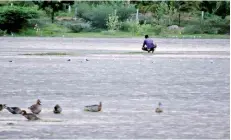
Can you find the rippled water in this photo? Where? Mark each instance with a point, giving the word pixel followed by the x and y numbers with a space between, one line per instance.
pixel 189 77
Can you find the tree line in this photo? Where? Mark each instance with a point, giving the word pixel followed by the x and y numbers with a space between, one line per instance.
pixel 152 14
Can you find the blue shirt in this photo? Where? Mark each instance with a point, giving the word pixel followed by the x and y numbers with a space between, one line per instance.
pixel 149 43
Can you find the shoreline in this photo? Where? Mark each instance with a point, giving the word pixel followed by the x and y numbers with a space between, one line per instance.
pixel 123 35
pixel 115 37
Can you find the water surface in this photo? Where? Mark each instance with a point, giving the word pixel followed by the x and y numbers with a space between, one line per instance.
pixel 190 77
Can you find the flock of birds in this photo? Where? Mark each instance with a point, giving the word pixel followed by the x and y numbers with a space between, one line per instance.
pixel 37 108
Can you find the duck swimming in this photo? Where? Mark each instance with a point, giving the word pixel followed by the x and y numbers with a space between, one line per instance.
pixel 57 109
pixel 29 116
pixel 14 110
pixel 159 109
pixel 2 106
pixel 36 108
pixel 93 108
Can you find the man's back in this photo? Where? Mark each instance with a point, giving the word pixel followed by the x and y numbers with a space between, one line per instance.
pixel 149 43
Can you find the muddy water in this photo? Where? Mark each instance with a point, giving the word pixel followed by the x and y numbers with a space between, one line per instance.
pixel 189 77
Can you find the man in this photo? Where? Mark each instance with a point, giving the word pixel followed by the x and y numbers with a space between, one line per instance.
pixel 150 46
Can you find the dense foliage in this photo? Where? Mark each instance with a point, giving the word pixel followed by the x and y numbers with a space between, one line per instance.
pixel 51 7
pixel 154 17
pixel 14 18
pixel 98 14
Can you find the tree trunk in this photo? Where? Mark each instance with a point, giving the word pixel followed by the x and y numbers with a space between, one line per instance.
pixel 52 15
pixel 179 19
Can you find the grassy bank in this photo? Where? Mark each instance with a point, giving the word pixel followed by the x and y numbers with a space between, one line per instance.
pixel 54 30
pixel 122 35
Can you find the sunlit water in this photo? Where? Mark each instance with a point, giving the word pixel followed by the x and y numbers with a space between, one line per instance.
pixel 189 77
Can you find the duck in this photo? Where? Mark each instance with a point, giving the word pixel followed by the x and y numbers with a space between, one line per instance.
pixel 29 116
pixel 14 110
pixel 159 109
pixel 68 59
pixel 93 108
pixel 2 106
pixel 36 108
pixel 57 109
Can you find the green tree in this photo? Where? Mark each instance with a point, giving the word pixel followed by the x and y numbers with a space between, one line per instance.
pixel 146 6
pixel 14 18
pixel 51 7
pixel 98 13
pixel 186 6
pixel 220 8
pixel 161 10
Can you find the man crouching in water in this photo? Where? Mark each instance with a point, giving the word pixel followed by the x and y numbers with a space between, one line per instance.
pixel 150 46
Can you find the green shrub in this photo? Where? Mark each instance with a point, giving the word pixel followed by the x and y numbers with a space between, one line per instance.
pixel 2 33
pixel 165 31
pixel 213 24
pixel 211 30
pixel 158 29
pixel 52 29
pixel 29 32
pixel 125 12
pixel 14 18
pixel 145 29
pixel 81 9
pixel 113 22
pixel 98 14
pixel 134 27
pixel 41 22
pixel 78 26
pixel 138 29
pixel 192 29
pixel 65 14
pixel 224 28
pixel 86 27
pixel 75 28
pixel 125 26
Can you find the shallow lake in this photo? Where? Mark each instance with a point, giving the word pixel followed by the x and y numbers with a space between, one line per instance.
pixel 190 77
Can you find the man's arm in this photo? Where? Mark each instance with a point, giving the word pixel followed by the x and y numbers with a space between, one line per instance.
pixel 144 43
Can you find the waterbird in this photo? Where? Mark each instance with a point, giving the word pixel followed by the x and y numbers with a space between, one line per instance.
pixel 2 106
pixel 93 108
pixel 68 59
pixel 10 61
pixel 57 109
pixel 36 108
pixel 10 123
pixel 159 109
pixel 87 60
pixel 29 116
pixel 14 110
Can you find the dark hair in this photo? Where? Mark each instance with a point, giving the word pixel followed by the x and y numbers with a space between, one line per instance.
pixel 146 36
